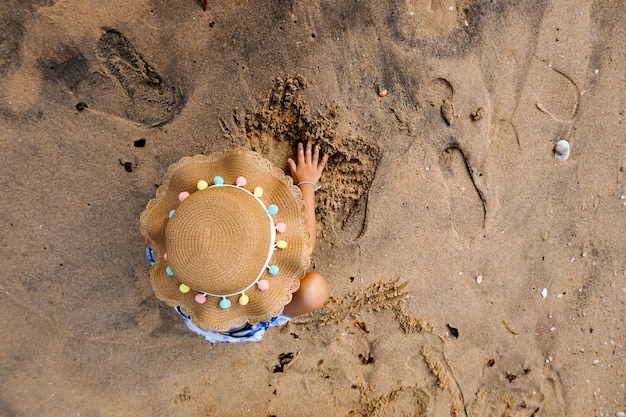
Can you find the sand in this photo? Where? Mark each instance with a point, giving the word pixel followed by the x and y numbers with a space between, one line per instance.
pixel 471 272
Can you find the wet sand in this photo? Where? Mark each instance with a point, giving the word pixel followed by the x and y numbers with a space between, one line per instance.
pixel 471 272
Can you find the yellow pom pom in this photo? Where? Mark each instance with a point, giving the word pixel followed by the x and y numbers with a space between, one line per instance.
pixel 281 244
pixel 258 192
pixel 202 184
pixel 243 300
pixel 184 288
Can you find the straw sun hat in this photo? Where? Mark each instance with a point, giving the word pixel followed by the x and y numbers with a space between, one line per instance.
pixel 229 236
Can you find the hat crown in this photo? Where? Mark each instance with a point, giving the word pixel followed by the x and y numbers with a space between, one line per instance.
pixel 219 240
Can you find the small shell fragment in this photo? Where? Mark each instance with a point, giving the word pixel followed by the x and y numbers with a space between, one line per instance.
pixel 382 92
pixel 544 293
pixel 561 150
pixel 479 279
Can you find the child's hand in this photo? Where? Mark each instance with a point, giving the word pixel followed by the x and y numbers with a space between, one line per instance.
pixel 309 167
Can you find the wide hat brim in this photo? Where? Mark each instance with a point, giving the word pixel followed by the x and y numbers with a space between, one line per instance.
pixel 292 260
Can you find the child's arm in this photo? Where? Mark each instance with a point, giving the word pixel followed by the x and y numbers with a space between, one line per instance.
pixel 306 172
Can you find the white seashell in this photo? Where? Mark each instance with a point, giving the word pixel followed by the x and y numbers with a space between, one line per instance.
pixel 544 293
pixel 561 150
pixel 479 279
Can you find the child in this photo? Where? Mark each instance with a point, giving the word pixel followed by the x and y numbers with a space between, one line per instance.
pixel 230 240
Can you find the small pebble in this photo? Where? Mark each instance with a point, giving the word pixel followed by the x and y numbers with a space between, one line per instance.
pixel 479 279
pixel 620 414
pixel 562 150
pixel 544 293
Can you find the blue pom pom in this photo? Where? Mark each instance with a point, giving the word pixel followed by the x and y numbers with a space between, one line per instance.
pixel 272 209
pixel 169 271
pixel 217 180
pixel 224 303
pixel 273 270
pixel 170 214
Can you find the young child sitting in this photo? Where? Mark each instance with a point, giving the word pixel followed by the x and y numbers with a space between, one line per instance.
pixel 230 240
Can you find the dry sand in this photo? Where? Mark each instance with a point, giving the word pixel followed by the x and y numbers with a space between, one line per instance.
pixel 446 180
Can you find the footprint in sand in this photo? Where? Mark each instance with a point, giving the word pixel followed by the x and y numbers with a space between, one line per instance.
pixel 458 123
pixel 153 101
pixel 467 207
pixel 556 94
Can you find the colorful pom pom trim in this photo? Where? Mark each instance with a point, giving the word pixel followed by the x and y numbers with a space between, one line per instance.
pixel 262 284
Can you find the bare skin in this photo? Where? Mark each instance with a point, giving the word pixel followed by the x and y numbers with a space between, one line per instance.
pixel 306 170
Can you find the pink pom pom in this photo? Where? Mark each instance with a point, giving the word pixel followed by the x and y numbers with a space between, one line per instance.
pixel 263 285
pixel 241 181
pixel 200 298
pixel 182 196
pixel 165 256
pixel 281 227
